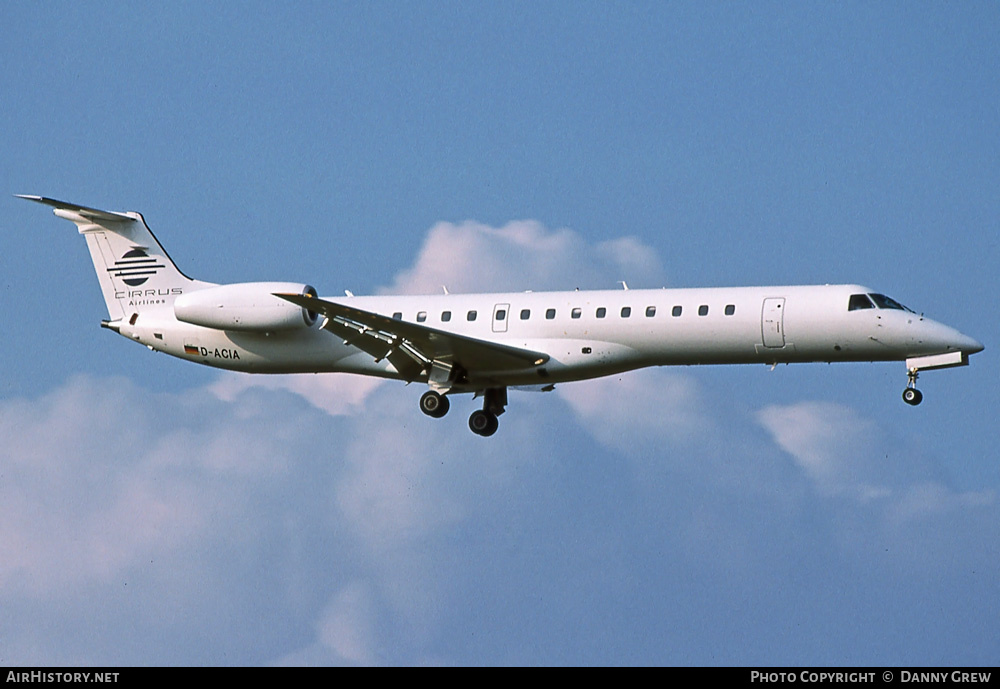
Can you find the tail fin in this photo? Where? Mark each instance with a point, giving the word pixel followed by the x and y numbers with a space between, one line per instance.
pixel 132 267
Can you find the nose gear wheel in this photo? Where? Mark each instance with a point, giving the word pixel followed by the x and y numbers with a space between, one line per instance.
pixel 911 395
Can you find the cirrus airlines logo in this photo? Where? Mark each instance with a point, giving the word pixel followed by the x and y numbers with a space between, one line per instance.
pixel 135 267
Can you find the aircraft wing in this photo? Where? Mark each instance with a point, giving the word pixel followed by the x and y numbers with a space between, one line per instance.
pixel 413 348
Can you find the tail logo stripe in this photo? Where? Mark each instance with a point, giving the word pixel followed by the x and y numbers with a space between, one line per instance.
pixel 135 267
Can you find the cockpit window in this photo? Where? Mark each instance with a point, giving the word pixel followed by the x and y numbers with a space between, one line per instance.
pixel 884 302
pixel 859 301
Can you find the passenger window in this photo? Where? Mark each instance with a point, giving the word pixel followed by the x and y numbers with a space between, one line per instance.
pixel 550 314
pixel 421 316
pixel 650 311
pixel 576 313
pixel 471 316
pixel 602 312
pixel 501 314
pixel 703 310
pixel 398 316
pixel 445 316
pixel 525 314
pixel 626 311
pixel 730 309
pixel 677 311
pixel 858 302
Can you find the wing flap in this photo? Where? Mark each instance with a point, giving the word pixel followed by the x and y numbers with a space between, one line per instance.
pixel 379 346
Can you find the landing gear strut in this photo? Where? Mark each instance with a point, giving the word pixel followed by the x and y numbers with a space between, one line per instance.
pixel 911 395
pixel 484 421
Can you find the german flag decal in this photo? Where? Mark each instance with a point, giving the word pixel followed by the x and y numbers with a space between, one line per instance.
pixel 190 349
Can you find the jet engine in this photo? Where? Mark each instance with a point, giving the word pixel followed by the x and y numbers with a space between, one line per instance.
pixel 246 306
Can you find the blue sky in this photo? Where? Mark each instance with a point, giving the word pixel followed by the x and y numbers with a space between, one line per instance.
pixel 155 512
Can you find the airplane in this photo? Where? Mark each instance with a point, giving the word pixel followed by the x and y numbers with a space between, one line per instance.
pixel 485 344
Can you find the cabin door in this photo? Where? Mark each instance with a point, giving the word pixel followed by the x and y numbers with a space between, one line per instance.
pixel 772 322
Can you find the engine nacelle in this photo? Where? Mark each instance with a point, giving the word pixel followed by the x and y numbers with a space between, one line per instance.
pixel 246 306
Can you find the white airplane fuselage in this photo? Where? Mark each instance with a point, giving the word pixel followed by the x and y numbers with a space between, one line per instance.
pixel 738 325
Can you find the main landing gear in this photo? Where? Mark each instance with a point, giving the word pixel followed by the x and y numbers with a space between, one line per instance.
pixel 911 395
pixel 482 422
pixel 434 404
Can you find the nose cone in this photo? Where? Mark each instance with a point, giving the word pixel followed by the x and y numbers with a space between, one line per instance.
pixel 969 345
pixel 934 338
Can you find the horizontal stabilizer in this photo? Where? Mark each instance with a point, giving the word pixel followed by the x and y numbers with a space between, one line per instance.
pixel 83 211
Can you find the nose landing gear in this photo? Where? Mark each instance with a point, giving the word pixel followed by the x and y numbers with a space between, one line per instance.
pixel 911 395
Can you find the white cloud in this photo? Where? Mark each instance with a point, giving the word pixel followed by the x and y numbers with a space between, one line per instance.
pixel 930 500
pixel 847 455
pixel 78 499
pixel 337 394
pixel 635 411
pixel 104 485
pixel 832 444
pixel 260 529
pixel 347 625
pixel 472 257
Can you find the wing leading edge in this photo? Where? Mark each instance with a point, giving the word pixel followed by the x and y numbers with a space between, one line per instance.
pixel 415 349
